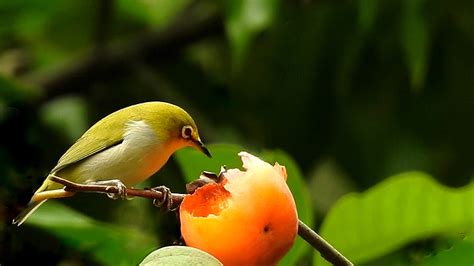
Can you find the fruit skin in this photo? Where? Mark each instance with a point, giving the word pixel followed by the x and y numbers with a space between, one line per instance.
pixel 249 218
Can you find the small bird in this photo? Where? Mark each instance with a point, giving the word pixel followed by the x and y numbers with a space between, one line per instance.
pixel 122 149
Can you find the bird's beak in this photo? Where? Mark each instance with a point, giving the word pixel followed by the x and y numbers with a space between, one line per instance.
pixel 202 148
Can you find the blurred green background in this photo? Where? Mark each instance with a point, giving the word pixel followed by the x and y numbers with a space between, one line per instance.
pixel 352 96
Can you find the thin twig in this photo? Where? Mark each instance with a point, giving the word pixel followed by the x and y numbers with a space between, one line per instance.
pixel 115 58
pixel 327 251
pixel 176 198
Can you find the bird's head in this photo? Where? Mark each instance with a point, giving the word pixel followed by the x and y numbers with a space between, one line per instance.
pixel 190 136
pixel 178 127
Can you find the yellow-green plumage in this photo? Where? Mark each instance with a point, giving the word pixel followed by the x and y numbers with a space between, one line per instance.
pixel 129 145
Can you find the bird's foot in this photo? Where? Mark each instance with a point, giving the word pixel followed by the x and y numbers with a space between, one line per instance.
pixel 166 203
pixel 122 189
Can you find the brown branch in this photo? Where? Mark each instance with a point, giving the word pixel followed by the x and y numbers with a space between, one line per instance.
pixel 152 47
pixel 327 251
pixel 176 198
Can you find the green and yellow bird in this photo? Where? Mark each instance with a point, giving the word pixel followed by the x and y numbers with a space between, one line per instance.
pixel 123 149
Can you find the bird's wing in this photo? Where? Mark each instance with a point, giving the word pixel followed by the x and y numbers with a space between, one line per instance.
pixel 92 142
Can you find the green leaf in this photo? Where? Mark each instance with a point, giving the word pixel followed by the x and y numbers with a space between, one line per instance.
pixel 108 244
pixel 11 91
pixel 244 20
pixel 67 114
pixel 461 253
pixel 300 192
pixel 398 258
pixel 415 37
pixel 192 163
pixel 399 210
pixel 47 27
pixel 179 255
pixel 367 14
pixel 156 13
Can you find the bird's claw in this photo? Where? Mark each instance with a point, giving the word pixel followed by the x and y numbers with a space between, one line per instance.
pixel 166 202
pixel 120 194
pixel 114 183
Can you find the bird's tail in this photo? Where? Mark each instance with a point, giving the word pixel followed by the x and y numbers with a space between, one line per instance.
pixel 32 206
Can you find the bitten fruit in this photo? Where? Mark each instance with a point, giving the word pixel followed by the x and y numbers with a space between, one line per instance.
pixel 249 218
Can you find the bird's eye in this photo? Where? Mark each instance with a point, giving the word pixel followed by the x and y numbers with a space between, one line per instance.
pixel 187 132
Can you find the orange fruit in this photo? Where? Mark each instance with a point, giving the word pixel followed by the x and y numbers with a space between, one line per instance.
pixel 249 218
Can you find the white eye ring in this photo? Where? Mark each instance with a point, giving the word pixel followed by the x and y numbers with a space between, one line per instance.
pixel 186 132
